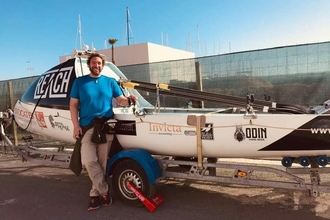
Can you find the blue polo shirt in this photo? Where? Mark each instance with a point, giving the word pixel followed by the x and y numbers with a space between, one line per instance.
pixel 95 97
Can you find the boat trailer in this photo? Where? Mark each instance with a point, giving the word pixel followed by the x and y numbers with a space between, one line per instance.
pixel 199 169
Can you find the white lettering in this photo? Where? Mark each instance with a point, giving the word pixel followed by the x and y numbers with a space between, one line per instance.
pixel 53 84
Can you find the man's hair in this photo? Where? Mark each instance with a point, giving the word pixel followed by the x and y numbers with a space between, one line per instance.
pixel 95 55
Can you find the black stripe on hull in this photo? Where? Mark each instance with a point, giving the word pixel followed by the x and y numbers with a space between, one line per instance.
pixel 299 140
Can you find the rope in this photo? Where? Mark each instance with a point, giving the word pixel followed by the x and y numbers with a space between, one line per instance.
pixel 220 127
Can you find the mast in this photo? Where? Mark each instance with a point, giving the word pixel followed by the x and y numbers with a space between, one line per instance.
pixel 127 26
pixel 162 38
pixel 79 36
pixel 198 41
pixel 79 32
pixel 166 39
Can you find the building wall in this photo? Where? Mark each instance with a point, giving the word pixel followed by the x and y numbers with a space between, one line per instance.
pixel 298 74
pixel 128 55
pixel 141 54
pixel 289 60
pixel 158 53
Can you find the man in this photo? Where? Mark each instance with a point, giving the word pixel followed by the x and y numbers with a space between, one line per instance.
pixel 91 96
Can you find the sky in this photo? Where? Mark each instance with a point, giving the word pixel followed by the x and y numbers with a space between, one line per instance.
pixel 33 34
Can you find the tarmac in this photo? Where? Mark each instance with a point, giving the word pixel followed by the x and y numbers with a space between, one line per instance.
pixel 32 191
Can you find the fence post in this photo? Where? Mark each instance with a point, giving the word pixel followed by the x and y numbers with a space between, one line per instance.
pixel 12 104
pixel 199 81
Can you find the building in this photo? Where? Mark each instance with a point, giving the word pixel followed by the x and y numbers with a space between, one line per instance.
pixel 142 53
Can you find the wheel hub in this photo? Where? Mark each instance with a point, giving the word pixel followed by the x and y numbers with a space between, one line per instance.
pixel 132 177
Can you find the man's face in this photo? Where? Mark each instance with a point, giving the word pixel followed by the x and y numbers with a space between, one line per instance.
pixel 95 66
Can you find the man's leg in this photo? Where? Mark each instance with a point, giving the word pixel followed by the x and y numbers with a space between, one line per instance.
pixel 103 153
pixel 89 159
pixel 94 158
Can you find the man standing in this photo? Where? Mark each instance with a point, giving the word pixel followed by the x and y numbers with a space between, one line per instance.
pixel 91 97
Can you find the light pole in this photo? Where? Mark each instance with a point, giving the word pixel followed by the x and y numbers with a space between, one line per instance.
pixel 31 68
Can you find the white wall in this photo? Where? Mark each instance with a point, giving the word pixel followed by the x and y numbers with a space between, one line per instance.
pixel 141 54
pixel 159 53
pixel 128 55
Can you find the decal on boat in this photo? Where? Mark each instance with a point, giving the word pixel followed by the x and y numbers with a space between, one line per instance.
pixel 207 132
pixel 252 134
pixel 126 127
pixel 321 127
pixel 164 129
pixel 56 124
pixel 23 113
pixel 256 134
pixel 239 134
pixel 40 119
pixel 320 130
pixel 311 136
pixel 53 84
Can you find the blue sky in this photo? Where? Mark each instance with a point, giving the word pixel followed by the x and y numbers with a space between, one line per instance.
pixel 40 31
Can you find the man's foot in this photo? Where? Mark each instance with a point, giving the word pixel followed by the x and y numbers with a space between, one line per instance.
pixel 106 200
pixel 94 203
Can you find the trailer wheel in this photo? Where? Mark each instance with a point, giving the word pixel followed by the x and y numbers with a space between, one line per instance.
pixel 130 170
pixel 287 162
pixel 322 160
pixel 304 161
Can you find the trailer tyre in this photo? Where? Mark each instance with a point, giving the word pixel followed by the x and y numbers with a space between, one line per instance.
pixel 304 161
pixel 322 160
pixel 130 170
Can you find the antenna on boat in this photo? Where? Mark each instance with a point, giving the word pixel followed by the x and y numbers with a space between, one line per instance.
pixel 84 49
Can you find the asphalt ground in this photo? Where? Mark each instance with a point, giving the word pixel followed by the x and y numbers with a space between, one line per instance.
pixel 31 191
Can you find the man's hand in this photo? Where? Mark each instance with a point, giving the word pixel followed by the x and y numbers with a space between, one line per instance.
pixel 134 98
pixel 77 132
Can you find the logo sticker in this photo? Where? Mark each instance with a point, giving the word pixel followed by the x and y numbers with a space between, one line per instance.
pixel 40 119
pixel 239 134
pixel 53 84
pixel 126 127
pixel 207 132
pixel 56 124
pixel 252 134
pixel 165 129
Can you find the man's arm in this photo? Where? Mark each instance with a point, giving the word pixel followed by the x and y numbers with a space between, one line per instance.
pixel 74 103
pixel 126 101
